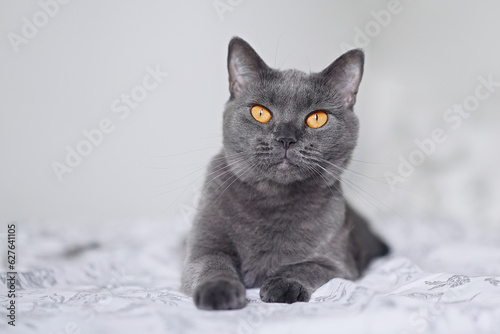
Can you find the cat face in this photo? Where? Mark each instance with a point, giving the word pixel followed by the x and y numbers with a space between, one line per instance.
pixel 288 127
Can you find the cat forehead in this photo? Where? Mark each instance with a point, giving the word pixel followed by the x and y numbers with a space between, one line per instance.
pixel 292 88
pixel 294 75
pixel 293 79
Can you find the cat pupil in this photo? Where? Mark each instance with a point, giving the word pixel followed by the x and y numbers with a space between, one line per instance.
pixel 261 111
pixel 316 116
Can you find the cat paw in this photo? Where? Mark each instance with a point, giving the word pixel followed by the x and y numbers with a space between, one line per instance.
pixel 220 295
pixel 283 290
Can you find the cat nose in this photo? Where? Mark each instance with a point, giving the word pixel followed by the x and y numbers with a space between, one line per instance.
pixel 287 142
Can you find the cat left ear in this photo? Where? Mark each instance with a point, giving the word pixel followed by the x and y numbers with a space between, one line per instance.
pixel 345 74
pixel 243 64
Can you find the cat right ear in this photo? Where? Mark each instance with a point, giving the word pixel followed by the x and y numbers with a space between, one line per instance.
pixel 344 75
pixel 243 64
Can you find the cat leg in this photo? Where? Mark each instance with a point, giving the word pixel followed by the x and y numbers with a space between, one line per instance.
pixel 296 282
pixel 214 282
pixel 364 245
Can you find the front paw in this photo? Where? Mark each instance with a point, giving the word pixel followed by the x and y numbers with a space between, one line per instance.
pixel 220 295
pixel 283 290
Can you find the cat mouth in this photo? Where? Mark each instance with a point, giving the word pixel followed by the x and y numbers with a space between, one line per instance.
pixel 285 162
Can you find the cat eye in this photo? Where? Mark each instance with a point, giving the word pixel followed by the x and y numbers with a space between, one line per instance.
pixel 260 114
pixel 317 119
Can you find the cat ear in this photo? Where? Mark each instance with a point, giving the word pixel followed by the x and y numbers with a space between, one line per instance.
pixel 345 74
pixel 243 64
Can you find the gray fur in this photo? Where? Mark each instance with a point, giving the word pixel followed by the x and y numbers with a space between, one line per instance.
pixel 273 217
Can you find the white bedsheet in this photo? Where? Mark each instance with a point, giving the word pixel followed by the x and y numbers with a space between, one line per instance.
pixel 440 278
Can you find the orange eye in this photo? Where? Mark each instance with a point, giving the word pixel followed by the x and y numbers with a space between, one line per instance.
pixel 317 119
pixel 261 114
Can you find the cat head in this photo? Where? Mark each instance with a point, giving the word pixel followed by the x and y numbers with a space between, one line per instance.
pixel 288 127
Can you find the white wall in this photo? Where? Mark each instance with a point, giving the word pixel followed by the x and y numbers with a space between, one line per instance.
pixel 65 77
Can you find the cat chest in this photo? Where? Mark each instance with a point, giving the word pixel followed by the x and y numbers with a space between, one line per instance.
pixel 266 246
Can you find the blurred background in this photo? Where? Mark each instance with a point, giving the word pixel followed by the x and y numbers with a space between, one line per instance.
pixel 110 110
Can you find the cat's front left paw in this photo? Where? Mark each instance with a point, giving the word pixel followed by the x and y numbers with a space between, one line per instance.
pixel 283 290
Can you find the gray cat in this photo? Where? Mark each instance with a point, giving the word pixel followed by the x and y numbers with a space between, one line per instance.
pixel 272 214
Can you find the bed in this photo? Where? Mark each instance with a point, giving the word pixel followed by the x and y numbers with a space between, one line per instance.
pixel 124 278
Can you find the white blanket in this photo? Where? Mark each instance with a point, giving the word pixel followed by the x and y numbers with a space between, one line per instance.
pixel 440 278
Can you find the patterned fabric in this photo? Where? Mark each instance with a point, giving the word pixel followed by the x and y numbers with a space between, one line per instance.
pixel 125 279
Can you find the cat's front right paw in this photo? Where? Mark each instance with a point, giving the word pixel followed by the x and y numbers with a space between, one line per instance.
pixel 220 295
